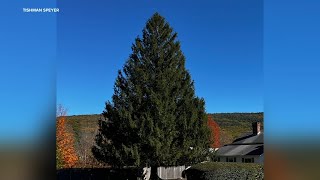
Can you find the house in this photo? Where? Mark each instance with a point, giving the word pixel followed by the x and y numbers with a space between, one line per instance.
pixel 246 149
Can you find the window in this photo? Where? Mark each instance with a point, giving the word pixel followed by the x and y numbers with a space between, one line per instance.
pixel 231 159
pixel 248 160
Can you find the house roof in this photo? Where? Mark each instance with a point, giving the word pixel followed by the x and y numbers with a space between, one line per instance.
pixel 240 150
pixel 246 145
pixel 250 139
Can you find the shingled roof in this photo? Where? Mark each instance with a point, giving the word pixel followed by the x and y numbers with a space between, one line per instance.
pixel 250 139
pixel 251 144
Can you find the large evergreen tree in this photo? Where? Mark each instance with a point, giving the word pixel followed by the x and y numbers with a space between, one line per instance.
pixel 155 118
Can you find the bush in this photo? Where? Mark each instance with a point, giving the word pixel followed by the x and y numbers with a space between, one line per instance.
pixel 225 171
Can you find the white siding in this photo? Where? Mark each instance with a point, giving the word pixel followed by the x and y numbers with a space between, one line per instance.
pixel 257 159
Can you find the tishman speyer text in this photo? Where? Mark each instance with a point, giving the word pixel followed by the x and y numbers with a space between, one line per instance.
pixel 46 10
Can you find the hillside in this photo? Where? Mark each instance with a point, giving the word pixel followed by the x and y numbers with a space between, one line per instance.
pixel 84 128
pixel 83 123
pixel 232 125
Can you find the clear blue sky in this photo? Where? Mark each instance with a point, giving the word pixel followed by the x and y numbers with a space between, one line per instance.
pixel 292 71
pixel 222 42
pixel 27 69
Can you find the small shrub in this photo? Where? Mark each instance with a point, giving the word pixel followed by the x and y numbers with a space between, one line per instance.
pixel 225 171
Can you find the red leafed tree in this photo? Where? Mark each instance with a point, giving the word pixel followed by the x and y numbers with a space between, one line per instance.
pixel 65 140
pixel 215 129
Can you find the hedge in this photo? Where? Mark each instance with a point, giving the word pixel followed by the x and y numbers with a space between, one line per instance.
pixel 225 171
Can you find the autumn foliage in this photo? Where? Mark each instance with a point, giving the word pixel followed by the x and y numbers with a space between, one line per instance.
pixel 65 141
pixel 215 132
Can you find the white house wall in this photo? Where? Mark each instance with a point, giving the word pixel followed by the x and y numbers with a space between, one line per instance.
pixel 257 159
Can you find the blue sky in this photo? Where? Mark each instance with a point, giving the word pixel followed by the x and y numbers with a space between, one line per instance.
pixel 292 70
pixel 27 70
pixel 222 42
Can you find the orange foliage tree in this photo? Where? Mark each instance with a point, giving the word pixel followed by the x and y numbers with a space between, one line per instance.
pixel 215 132
pixel 65 140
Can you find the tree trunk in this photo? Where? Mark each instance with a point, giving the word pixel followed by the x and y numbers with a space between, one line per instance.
pixel 154 173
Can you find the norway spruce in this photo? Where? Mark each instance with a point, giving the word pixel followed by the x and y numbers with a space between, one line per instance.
pixel 155 118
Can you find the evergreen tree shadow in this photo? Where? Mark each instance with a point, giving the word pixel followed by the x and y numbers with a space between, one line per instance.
pixel 98 173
